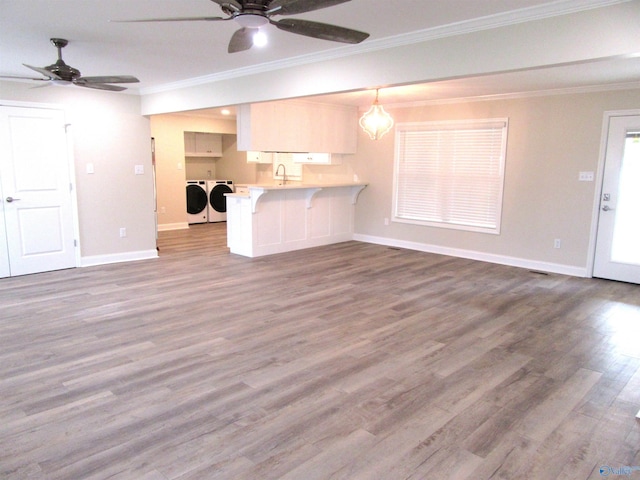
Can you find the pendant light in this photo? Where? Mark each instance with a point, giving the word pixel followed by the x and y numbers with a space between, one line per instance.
pixel 376 122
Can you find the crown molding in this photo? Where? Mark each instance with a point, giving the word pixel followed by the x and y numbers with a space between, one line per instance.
pixel 516 95
pixel 553 9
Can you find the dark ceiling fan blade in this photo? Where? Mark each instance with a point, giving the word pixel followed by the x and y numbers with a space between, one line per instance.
pixel 44 72
pixel 173 19
pixel 241 40
pixel 15 77
pixel 109 79
pixel 324 31
pixel 292 7
pixel 99 86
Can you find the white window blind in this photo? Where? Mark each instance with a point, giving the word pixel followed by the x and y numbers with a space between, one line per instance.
pixel 450 174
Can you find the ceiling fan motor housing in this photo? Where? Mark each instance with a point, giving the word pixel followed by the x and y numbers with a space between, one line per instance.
pixel 64 71
pixel 61 69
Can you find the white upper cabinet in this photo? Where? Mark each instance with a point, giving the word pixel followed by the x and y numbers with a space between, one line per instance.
pixel 259 157
pixel 318 158
pixel 297 126
pixel 201 144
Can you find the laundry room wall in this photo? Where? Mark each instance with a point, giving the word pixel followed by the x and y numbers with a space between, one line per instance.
pixel 110 136
pixel 233 164
pixel 172 168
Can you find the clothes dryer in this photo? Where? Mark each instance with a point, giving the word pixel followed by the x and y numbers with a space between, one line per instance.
pixel 217 200
pixel 197 201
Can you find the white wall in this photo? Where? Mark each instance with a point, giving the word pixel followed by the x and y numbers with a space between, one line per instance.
pixel 108 132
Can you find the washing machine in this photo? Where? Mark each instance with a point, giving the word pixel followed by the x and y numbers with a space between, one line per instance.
pixel 217 200
pixel 197 201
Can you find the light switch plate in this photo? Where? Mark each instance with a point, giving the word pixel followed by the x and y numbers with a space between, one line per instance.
pixel 90 168
pixel 139 169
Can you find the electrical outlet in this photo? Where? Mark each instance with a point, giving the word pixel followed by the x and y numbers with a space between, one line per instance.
pixel 585 176
pixel 386 221
pixel 123 232
pixel 557 243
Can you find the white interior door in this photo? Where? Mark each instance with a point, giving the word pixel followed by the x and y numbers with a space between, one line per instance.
pixel 617 255
pixel 4 249
pixel 35 177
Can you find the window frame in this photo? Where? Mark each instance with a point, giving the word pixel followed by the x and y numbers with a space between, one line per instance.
pixel 451 125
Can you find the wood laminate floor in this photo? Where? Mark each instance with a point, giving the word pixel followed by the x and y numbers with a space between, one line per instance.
pixel 351 361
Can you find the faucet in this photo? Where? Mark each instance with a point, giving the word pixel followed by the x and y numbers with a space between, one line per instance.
pixel 284 173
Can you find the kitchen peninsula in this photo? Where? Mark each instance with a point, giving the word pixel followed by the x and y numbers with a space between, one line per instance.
pixel 270 218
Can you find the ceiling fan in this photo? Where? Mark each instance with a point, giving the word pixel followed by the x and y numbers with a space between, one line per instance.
pixel 61 73
pixel 253 14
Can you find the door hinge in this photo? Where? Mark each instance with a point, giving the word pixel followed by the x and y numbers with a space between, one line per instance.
pixel 75 242
pixel 71 187
pixel 66 127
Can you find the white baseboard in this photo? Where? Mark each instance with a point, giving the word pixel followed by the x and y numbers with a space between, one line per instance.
pixel 480 256
pixel 94 260
pixel 163 227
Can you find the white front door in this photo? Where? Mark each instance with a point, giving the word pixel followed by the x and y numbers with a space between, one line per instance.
pixel 35 183
pixel 617 254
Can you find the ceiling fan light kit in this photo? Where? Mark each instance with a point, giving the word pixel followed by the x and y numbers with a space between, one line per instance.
pixel 376 121
pixel 260 39
pixel 254 15
pixel 251 20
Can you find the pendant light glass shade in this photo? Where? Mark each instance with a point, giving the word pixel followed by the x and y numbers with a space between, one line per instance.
pixel 376 122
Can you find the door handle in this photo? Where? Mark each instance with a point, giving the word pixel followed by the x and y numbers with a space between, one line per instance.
pixel 11 199
pixel 607 208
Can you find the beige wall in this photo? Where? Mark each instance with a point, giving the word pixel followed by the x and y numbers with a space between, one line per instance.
pixel 550 140
pixel 233 164
pixel 109 132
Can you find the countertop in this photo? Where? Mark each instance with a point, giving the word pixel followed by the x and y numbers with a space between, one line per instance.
pixel 292 186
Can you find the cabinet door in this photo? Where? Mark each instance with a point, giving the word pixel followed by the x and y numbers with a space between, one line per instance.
pixel 259 157
pixel 295 126
pixel 257 127
pixel 189 142
pixel 318 158
pixel 202 144
pixel 208 144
